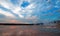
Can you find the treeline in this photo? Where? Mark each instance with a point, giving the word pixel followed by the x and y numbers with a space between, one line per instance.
pixel 20 24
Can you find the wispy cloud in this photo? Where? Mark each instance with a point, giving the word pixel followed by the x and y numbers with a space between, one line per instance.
pixel 7 14
pixel 16 9
pixel 40 8
pixel 5 3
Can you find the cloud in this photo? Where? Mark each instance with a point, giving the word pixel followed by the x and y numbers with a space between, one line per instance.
pixel 5 3
pixel 6 13
pixel 33 19
pixel 8 5
pixel 19 11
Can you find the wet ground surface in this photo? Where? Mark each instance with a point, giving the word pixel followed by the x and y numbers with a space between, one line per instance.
pixel 26 30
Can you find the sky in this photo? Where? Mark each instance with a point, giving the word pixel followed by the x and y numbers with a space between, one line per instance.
pixel 29 11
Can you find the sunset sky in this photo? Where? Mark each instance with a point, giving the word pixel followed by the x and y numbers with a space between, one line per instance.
pixel 29 11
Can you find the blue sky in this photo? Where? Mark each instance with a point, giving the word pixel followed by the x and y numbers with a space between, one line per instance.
pixel 29 11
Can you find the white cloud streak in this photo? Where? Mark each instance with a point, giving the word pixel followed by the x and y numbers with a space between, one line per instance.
pixel 16 9
pixel 8 14
pixel 6 4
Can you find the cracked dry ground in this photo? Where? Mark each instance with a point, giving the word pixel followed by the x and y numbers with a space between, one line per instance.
pixel 25 31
